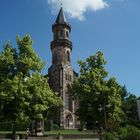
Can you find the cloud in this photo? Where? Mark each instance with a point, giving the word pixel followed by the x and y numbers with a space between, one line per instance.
pixel 77 8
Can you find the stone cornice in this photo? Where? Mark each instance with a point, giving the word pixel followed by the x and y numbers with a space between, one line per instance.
pixel 61 42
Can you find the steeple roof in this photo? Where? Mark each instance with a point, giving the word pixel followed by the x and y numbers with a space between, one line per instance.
pixel 61 17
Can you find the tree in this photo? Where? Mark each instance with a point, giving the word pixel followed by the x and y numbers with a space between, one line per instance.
pixel 7 62
pixel 24 92
pixel 95 93
pixel 129 106
pixel 41 100
pixel 28 61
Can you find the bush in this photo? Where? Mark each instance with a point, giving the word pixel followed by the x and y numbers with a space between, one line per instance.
pixel 5 126
pixel 109 136
pixel 133 133
pixel 55 127
pixel 48 125
pixel 122 133
pixel 20 126
pixel 129 133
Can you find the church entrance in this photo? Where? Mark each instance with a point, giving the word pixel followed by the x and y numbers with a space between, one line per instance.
pixel 69 122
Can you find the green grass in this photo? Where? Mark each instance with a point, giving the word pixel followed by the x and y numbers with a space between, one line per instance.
pixel 54 132
pixel 9 132
pixel 69 132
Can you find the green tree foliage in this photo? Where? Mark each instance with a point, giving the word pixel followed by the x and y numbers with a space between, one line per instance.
pixel 28 60
pixel 95 93
pixel 24 92
pixel 130 107
pixel 129 133
pixel 7 62
pixel 109 136
pixel 42 97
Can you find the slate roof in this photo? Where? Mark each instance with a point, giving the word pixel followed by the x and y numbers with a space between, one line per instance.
pixel 61 17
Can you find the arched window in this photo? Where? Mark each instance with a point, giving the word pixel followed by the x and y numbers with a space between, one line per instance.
pixel 66 76
pixel 67 34
pixel 68 56
pixel 61 33
pixel 70 78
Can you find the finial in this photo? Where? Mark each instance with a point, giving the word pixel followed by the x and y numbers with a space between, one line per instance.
pixel 61 3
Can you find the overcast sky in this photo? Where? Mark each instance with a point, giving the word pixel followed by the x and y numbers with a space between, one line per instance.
pixel 111 26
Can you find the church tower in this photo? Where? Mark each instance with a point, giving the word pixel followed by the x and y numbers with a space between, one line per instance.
pixel 61 73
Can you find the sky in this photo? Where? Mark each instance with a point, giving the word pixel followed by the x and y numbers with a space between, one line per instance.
pixel 110 26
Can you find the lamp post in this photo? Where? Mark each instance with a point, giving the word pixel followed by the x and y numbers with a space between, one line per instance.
pixel 103 108
pixel 13 131
pixel 68 122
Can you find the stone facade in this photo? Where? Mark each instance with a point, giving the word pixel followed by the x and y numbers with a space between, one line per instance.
pixel 61 73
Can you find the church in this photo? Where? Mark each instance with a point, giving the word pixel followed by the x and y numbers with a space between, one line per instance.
pixel 61 73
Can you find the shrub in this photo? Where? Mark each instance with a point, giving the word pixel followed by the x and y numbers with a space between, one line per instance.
pixel 55 127
pixel 5 126
pixel 133 133
pixel 122 133
pixel 48 125
pixel 129 133
pixel 109 136
pixel 20 126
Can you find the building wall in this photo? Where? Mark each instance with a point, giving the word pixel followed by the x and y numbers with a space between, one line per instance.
pixel 59 79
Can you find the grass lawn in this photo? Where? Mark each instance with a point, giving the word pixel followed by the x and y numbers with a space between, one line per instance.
pixel 9 132
pixel 54 132
pixel 69 132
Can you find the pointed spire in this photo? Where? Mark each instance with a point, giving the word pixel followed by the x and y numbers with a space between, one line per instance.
pixel 61 17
